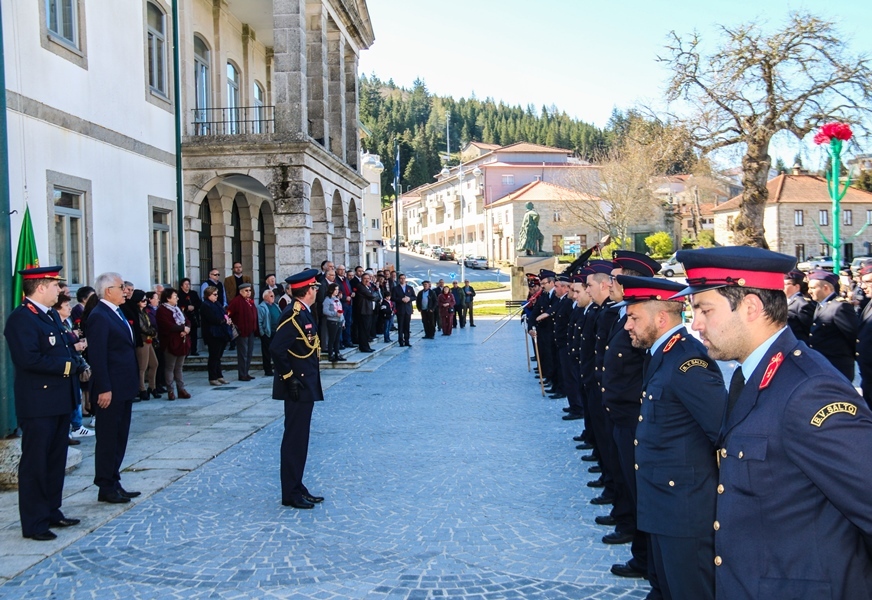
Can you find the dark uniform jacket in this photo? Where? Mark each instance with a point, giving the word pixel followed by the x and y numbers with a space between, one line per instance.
pixel 545 327
pixel 683 402
pixel 295 350
pixel 794 510
pixel 606 317
pixel 834 333
pixel 46 384
pixel 588 344
pixel 112 355
pixel 576 325
pixel 561 310
pixel 864 341
pixel 621 376
pixel 800 314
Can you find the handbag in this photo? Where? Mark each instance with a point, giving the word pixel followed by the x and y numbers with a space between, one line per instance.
pixel 234 332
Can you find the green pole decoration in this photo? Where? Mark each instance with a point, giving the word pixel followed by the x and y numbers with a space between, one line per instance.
pixel 833 134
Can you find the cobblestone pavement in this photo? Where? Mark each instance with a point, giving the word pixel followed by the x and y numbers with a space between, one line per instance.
pixel 446 474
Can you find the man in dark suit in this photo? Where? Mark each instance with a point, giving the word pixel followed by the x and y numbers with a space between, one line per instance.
pixel 46 387
pixel 682 408
pixel 834 329
pixel 864 337
pixel 364 307
pixel 561 310
pixel 296 351
pixel 114 385
pixel 403 297
pixel 469 292
pixel 800 309
pixel 426 304
pixel 795 443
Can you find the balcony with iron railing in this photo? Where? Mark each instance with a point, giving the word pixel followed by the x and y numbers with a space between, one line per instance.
pixel 237 120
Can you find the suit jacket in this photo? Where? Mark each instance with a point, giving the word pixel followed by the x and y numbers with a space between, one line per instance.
pixel 621 376
pixel 800 314
pixel 606 317
pixel 794 483
pixel 46 383
pixel 834 333
pixel 296 351
pixel 864 340
pixel 587 355
pixel 683 403
pixel 364 299
pixel 562 309
pixel 431 300
pixel 397 295
pixel 112 355
pixel 230 286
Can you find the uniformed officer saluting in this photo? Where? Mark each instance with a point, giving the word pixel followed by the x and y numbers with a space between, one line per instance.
pixel 296 350
pixel 683 402
pixel 794 512
pixel 46 385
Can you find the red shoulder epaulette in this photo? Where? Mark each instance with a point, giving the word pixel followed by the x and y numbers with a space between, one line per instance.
pixel 671 342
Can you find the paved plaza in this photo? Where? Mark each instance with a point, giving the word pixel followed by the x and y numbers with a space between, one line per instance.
pixel 446 474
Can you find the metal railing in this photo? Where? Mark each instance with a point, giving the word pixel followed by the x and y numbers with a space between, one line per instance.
pixel 237 120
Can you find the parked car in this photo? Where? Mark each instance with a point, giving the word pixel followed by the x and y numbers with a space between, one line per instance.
pixel 858 263
pixel 446 254
pixel 816 262
pixel 476 262
pixel 433 251
pixel 415 283
pixel 462 259
pixel 671 267
pixel 422 248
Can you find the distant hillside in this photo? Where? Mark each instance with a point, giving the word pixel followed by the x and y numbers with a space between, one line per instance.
pixel 416 119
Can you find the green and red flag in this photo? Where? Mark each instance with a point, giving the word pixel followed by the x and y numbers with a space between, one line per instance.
pixel 26 257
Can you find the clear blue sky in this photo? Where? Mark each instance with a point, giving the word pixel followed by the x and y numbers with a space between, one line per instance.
pixel 586 57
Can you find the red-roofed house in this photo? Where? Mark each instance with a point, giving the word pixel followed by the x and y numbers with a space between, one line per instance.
pixel 796 203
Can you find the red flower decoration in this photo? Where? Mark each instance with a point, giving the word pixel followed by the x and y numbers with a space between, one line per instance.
pixel 830 131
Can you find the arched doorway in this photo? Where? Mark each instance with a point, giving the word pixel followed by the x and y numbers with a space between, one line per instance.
pixel 236 224
pixel 205 239
pixel 354 249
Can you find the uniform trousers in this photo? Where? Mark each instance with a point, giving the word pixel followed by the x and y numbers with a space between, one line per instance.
pixel 624 437
pixel 113 430
pixel 568 379
pixel 546 356
pixel 623 510
pixel 602 437
pixel 41 471
pixel 295 449
pixel 684 566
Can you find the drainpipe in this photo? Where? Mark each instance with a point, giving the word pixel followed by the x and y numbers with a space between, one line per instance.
pixel 177 91
pixel 7 404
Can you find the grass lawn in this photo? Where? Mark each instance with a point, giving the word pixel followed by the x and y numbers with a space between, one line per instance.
pixel 481 286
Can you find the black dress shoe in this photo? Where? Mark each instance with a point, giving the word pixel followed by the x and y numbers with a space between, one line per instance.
pixel 112 497
pixel 301 503
pixel 368 350
pixel 557 396
pixel 127 494
pixel 589 458
pixel 341 358
pixel 595 469
pixel 313 499
pixel 45 536
pixel 572 417
pixel 596 483
pixel 566 409
pixel 578 438
pixel 607 520
pixel 625 570
pixel 65 522
pixel 616 537
pixel 602 500
pixel 584 446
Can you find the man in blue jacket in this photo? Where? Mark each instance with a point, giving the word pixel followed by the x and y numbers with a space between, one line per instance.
pixel 46 386
pixel 794 512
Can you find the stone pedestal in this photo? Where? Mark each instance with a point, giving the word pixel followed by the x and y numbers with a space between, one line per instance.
pixel 10 454
pixel 528 264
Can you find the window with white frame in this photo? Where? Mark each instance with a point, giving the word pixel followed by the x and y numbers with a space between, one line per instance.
pixel 797 218
pixel 848 218
pixel 157 49
pixel 825 249
pixel 258 117
pixel 869 217
pixel 508 180
pixel 823 217
pixel 70 234
pixel 233 100
pixel 557 216
pixel 202 84
pixel 62 20
pixel 160 246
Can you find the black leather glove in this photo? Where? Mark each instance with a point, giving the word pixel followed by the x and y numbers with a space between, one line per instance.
pixel 81 365
pixel 292 387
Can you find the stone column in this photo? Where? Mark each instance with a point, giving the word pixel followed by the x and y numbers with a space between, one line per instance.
pixel 293 224
pixel 352 143
pixel 336 64
pixel 289 78
pixel 316 70
pixel 222 233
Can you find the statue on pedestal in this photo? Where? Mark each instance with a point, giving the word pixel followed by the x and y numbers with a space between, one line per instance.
pixel 530 238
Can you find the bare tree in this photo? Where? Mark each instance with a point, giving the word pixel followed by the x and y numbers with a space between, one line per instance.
pixel 757 85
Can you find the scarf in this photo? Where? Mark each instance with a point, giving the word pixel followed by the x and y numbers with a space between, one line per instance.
pixel 178 316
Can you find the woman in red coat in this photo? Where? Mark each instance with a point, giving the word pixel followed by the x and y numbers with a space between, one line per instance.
pixel 243 314
pixel 172 332
pixel 445 301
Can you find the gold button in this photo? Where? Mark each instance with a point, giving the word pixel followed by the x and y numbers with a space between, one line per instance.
pixel 643 393
pixel 650 397
pixel 741 454
pixel 636 467
pixel 635 442
pixel 671 484
pixel 717 525
pixel 622 356
pixel 718 561
pixel 640 418
pixel 797 352
pixel 607 347
pixel 604 389
pixel 723 452
pixel 720 488
pixel 45 387
pixel 811 334
pixel 608 409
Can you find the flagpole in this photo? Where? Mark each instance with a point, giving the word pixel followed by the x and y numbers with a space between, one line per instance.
pixel 397 208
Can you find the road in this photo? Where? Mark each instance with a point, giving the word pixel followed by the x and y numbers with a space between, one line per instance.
pixel 415 265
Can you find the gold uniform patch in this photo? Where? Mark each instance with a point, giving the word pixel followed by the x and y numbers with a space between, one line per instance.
pixel 830 409
pixel 693 362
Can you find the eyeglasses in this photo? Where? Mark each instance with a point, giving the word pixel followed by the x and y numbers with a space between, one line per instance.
pixel 612 278
pixel 214 274
pixel 117 287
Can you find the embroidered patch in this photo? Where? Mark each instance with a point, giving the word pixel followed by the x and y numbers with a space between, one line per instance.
pixel 830 409
pixel 693 362
pixel 308 326
pixel 671 342
pixel 771 368
pixel 32 308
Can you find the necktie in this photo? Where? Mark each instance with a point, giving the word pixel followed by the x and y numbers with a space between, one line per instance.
pixel 645 363
pixel 121 314
pixel 737 384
